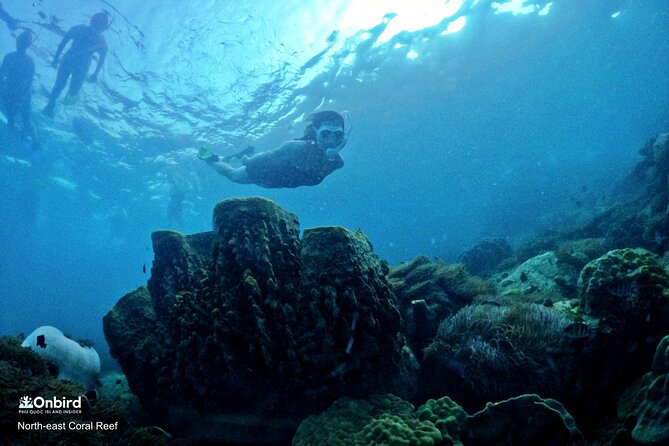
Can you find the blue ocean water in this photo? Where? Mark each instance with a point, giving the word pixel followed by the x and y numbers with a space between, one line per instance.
pixel 469 119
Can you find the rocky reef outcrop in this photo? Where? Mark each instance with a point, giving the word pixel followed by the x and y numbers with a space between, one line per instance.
pixel 249 318
pixel 645 406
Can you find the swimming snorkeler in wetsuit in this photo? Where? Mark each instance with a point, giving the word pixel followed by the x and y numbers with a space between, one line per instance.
pixel 16 77
pixel 301 162
pixel 86 41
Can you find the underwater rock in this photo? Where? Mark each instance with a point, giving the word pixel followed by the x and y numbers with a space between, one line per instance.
pixel 636 214
pixel 482 258
pixel 539 278
pixel 430 290
pixel 648 401
pixel 640 214
pixel 526 420
pixel 250 319
pixel 74 362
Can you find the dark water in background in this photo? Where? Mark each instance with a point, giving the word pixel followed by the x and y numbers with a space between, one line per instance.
pixel 516 123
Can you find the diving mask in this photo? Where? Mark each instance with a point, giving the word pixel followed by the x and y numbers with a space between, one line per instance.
pixel 331 137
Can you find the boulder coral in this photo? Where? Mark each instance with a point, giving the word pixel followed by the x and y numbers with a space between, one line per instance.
pixel 249 318
pixel 626 288
pixel 383 420
pixel 74 362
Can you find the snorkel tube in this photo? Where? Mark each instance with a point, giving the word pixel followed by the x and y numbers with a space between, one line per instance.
pixel 347 123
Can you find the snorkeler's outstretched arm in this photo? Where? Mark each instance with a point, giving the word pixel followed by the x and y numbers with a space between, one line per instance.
pixel 68 36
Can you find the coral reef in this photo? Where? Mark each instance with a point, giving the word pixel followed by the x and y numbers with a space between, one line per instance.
pixel 626 290
pixel 430 290
pixel 383 420
pixel 24 373
pixel 486 352
pixel 386 420
pixel 250 319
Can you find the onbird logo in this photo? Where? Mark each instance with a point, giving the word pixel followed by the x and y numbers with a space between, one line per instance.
pixel 25 402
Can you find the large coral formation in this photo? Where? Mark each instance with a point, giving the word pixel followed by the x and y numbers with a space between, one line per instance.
pixel 384 420
pixel 486 352
pixel 626 288
pixel 24 373
pixel 251 319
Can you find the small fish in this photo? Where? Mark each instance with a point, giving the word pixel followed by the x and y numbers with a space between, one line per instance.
pixel 577 330
pixel 41 341
pixel 624 289
pixel 144 268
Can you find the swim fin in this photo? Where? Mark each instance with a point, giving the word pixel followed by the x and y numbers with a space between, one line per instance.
pixel 207 155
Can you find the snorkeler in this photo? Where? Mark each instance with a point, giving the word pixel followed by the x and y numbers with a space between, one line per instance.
pixel 86 40
pixel 300 162
pixel 16 78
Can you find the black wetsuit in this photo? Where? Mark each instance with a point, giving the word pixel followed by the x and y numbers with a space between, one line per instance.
pixel 76 61
pixel 300 165
pixel 16 77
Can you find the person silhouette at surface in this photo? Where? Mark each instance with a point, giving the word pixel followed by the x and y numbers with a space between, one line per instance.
pixel 86 41
pixel 300 162
pixel 16 78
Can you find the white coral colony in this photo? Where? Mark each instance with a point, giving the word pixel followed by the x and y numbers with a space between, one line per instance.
pixel 74 362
